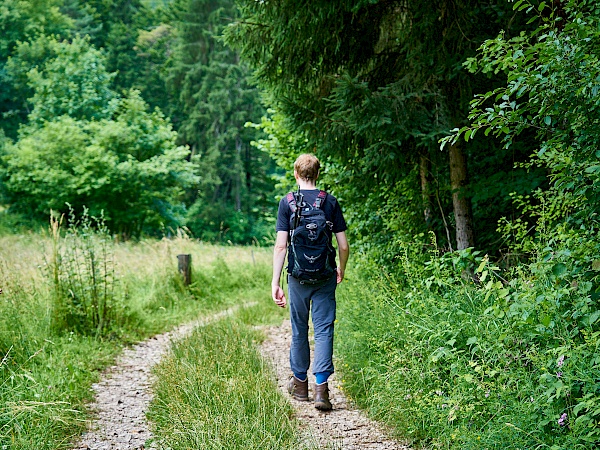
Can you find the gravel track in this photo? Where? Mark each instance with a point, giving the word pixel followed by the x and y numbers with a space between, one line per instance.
pixel 344 427
pixel 123 395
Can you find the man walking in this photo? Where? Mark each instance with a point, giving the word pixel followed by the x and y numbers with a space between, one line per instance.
pixel 306 222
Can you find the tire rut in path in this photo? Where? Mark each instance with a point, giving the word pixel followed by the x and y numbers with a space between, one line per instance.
pixel 344 427
pixel 123 395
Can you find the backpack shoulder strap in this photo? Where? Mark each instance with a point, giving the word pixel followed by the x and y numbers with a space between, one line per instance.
pixel 320 199
pixel 291 199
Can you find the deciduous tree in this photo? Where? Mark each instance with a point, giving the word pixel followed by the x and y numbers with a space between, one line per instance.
pixel 21 21
pixel 127 166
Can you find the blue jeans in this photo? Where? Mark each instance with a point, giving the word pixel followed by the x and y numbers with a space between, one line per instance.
pixel 323 317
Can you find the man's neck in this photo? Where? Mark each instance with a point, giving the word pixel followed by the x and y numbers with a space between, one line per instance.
pixel 306 185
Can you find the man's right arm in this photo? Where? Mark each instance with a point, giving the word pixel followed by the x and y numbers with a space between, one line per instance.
pixel 278 260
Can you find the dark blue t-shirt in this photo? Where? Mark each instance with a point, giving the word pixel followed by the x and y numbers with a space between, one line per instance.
pixel 331 208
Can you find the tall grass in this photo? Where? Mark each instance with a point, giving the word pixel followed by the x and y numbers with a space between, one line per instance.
pixel 50 356
pixel 44 376
pixel 85 297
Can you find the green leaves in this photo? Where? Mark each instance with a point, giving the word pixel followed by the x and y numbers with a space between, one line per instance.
pixel 65 78
pixel 22 21
pixel 127 166
pixel 550 95
pixel 559 269
pixel 86 146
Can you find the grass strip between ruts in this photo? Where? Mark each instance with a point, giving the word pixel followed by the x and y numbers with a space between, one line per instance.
pixel 214 391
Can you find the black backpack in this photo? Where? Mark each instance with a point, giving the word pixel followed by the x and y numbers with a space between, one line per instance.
pixel 311 257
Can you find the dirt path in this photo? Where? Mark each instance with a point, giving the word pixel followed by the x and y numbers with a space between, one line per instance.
pixel 123 395
pixel 344 427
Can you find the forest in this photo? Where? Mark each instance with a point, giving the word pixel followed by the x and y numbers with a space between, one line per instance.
pixel 461 138
pixel 134 110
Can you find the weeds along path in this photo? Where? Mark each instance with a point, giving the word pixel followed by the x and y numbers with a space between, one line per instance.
pixel 345 427
pixel 123 395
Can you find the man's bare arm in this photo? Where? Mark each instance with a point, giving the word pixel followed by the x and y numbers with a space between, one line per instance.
pixel 343 252
pixel 279 253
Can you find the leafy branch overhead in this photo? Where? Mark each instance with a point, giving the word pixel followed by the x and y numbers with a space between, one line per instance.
pixel 552 90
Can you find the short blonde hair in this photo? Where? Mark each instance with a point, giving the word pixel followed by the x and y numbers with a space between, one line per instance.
pixel 307 166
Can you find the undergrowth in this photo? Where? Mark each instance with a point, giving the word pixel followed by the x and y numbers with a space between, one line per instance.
pixel 85 296
pixel 452 353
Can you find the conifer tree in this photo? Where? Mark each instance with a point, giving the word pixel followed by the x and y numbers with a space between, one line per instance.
pixel 213 100
pixel 375 85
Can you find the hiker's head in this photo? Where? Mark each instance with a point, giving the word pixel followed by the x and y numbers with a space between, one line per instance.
pixel 307 167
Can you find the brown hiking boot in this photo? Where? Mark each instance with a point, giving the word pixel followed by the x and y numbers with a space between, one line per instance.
pixel 322 397
pixel 298 389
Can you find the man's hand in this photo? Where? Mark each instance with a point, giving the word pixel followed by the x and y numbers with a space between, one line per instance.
pixel 340 275
pixel 278 295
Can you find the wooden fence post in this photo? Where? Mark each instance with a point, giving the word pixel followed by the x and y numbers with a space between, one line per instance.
pixel 185 268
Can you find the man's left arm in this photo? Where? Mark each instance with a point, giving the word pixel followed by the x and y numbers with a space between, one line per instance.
pixel 343 252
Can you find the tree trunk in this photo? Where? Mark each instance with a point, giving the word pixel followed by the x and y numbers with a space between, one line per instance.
pixel 238 176
pixel 248 168
pixel 424 175
pixel 461 202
